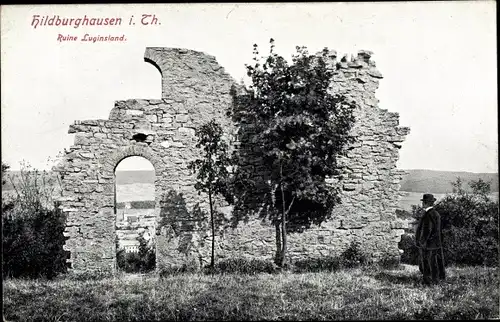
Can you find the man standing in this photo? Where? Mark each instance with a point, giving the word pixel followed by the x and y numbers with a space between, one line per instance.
pixel 428 239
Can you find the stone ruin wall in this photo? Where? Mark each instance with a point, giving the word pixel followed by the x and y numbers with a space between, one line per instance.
pixel 196 89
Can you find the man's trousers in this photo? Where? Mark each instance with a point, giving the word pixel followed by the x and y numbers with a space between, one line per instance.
pixel 431 265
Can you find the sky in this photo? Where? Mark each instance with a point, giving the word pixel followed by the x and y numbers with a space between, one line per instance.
pixel 438 60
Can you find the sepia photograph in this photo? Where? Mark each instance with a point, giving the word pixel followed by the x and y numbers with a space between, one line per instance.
pixel 250 161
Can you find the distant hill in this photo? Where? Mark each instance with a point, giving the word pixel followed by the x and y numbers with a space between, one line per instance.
pixel 440 181
pixel 16 175
pixel 416 181
pixel 122 177
pixel 139 176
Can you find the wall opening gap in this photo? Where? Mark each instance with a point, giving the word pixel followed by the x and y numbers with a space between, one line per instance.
pixel 135 215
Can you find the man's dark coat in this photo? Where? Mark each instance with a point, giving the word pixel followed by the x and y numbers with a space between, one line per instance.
pixel 428 234
pixel 429 241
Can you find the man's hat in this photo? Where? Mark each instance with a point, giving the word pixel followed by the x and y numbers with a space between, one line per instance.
pixel 428 197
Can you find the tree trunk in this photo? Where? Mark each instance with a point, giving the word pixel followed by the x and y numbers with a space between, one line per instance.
pixel 283 220
pixel 283 228
pixel 277 257
pixel 212 260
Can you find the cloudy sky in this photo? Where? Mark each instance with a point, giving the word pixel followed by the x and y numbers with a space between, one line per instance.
pixel 438 60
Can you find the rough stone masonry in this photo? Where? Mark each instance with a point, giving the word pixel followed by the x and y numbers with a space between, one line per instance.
pixel 195 89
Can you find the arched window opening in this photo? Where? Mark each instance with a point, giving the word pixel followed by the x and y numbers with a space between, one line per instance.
pixel 135 215
pixel 151 79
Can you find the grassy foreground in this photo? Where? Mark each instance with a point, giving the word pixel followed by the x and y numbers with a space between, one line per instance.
pixel 361 294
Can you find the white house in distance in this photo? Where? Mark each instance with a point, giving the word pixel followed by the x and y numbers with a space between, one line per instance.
pixel 129 245
pixel 127 239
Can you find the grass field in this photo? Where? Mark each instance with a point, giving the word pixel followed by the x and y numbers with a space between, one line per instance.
pixel 360 294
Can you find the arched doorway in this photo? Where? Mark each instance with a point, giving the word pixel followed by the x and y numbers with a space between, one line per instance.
pixel 135 215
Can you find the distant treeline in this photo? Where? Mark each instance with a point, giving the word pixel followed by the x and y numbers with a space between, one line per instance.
pixel 142 204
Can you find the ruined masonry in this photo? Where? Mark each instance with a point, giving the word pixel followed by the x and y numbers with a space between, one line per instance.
pixel 195 89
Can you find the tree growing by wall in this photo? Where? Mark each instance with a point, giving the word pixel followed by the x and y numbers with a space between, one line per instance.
pixel 212 168
pixel 298 130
